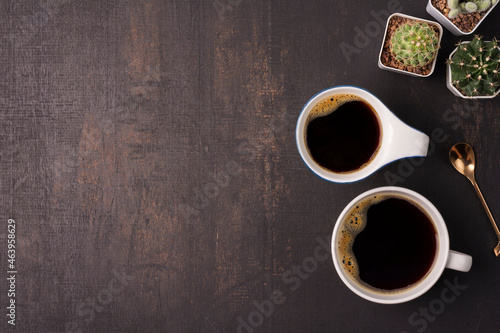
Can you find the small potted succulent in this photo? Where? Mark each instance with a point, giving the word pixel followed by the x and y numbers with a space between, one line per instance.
pixel 460 17
pixel 410 45
pixel 473 69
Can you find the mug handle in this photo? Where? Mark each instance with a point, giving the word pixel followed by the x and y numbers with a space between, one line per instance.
pixel 459 261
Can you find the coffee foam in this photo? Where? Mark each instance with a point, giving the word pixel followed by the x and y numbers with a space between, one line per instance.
pixel 330 104
pixel 353 223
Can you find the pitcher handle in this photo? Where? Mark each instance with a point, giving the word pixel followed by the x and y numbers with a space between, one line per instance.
pixel 407 142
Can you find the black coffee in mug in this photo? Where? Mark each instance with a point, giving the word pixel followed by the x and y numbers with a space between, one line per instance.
pixel 388 243
pixel 343 133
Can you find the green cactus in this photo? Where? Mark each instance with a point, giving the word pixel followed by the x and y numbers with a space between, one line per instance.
pixel 483 5
pixel 475 67
pixel 454 13
pixel 458 7
pixel 414 44
pixel 470 7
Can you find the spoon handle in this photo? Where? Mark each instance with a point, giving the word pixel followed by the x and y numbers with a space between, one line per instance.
pixel 492 220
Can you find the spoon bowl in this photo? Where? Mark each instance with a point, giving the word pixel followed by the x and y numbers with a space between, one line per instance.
pixel 463 159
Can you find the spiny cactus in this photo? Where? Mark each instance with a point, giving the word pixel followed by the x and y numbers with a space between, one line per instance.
pixel 475 67
pixel 414 44
pixel 458 7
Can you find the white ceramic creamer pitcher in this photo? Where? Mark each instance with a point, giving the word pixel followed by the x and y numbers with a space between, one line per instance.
pixel 397 140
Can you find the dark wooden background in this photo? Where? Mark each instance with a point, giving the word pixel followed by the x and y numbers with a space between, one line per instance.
pixel 148 158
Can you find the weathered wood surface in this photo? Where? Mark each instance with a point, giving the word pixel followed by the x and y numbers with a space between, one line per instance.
pixel 148 158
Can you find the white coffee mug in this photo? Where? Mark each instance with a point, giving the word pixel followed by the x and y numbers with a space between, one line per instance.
pixel 444 257
pixel 398 140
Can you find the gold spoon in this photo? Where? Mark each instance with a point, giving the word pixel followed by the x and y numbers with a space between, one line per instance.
pixel 463 159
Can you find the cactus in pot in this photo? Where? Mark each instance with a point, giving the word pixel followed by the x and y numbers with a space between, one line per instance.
pixel 458 7
pixel 475 67
pixel 414 44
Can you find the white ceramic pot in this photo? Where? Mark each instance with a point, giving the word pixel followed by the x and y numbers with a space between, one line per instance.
pixel 382 66
pixel 457 92
pixel 434 12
